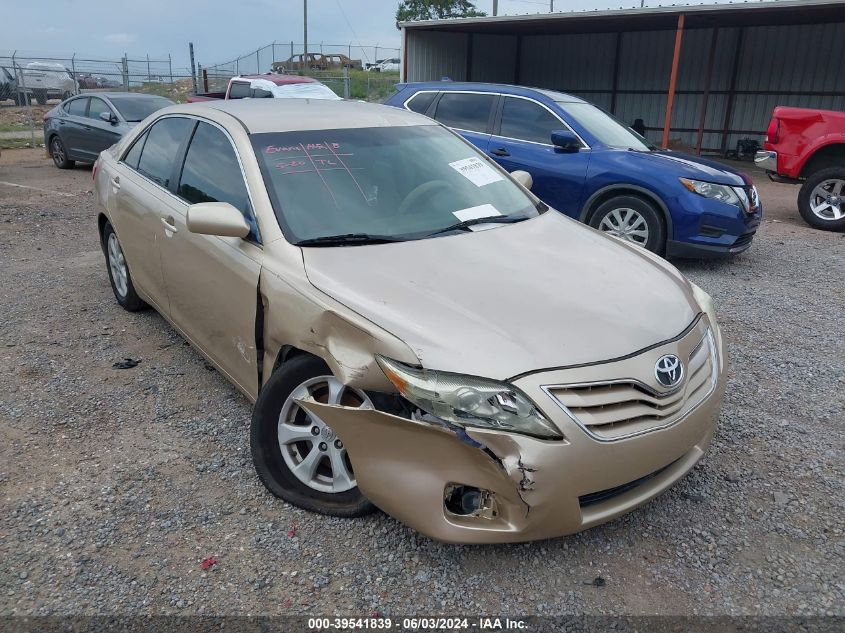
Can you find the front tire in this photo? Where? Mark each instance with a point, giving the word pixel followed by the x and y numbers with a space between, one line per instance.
pixel 298 457
pixel 821 200
pixel 632 219
pixel 59 154
pixel 121 280
pixel 41 97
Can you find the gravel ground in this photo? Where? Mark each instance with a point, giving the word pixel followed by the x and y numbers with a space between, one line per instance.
pixel 117 484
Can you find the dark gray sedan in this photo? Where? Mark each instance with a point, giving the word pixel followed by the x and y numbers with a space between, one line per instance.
pixel 81 127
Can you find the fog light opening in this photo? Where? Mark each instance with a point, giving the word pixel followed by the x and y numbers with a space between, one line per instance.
pixel 469 501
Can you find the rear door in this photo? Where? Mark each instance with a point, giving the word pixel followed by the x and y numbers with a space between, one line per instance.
pixel 97 134
pixel 212 282
pixel 72 126
pixel 468 113
pixel 141 188
pixel 522 140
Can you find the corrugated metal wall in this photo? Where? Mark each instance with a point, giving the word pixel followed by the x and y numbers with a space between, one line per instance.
pixel 778 65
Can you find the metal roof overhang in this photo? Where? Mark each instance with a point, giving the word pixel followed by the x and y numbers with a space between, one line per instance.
pixel 783 12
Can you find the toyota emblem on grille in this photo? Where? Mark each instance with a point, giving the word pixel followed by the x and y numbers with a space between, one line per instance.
pixel 668 370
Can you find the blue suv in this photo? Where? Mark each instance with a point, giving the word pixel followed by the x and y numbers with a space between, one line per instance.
pixel 590 166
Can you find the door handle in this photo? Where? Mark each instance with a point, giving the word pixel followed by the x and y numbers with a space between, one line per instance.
pixel 169 224
pixel 500 151
pixel 115 184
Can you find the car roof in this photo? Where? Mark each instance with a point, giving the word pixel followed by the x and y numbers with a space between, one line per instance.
pixel 524 91
pixel 116 93
pixel 279 79
pixel 290 115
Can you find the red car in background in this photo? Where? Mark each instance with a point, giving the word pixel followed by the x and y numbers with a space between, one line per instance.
pixel 807 147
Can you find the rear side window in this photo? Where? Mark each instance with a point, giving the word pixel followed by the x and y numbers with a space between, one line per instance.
pixel 420 102
pixel 161 148
pixel 528 121
pixel 465 111
pixel 77 107
pixel 212 174
pixel 238 90
pixel 134 154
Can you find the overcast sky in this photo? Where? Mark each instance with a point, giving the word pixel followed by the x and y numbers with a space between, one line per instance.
pixel 220 29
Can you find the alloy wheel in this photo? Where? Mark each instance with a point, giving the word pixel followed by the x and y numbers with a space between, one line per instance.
pixel 827 200
pixel 626 224
pixel 58 151
pixel 117 264
pixel 311 449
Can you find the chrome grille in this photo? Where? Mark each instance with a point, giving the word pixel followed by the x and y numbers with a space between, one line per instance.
pixel 615 409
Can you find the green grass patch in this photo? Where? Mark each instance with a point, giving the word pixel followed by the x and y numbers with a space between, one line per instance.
pixel 19 143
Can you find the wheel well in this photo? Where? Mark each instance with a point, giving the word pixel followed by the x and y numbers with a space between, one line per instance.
pixel 287 352
pixel 603 197
pixel 101 227
pixel 827 156
pixel 50 142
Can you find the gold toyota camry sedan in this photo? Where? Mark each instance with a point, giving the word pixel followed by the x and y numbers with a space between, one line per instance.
pixel 418 331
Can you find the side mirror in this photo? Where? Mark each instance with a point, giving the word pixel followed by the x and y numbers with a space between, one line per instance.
pixel 216 218
pixel 565 141
pixel 523 178
pixel 108 117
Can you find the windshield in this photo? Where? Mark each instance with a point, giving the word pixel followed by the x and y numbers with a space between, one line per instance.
pixel 605 127
pixel 394 182
pixel 135 109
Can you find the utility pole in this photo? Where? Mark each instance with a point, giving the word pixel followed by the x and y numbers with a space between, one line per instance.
pixel 495 7
pixel 305 28
pixel 551 6
pixel 193 67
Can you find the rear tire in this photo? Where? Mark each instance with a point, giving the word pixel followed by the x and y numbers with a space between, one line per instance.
pixel 41 97
pixel 121 280
pixel 275 413
pixel 632 219
pixel 59 154
pixel 821 200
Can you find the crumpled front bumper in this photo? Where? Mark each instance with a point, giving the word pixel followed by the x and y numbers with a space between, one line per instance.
pixel 541 488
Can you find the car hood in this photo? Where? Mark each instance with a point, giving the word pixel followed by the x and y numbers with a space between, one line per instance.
pixel 547 292
pixel 687 166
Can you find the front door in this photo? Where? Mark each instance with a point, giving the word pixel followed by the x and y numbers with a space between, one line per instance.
pixel 99 134
pixel 211 281
pixel 523 141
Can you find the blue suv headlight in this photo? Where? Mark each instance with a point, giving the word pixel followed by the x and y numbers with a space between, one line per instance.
pixel 723 193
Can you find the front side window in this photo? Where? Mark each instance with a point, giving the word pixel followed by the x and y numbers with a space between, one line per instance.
pixel 97 106
pixel 528 121
pixel 408 182
pixel 77 107
pixel 465 111
pixel 419 102
pixel 161 148
pixel 211 173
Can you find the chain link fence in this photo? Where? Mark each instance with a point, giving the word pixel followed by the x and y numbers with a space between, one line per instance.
pixel 351 71
pixel 31 84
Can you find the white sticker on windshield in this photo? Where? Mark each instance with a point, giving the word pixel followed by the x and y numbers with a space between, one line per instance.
pixel 476 171
pixel 473 213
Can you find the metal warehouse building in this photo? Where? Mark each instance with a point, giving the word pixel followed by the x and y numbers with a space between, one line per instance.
pixel 717 69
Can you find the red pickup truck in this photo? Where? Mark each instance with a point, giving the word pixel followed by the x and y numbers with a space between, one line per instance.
pixel 269 85
pixel 807 147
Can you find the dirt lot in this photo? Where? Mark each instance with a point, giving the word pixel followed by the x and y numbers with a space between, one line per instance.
pixel 116 484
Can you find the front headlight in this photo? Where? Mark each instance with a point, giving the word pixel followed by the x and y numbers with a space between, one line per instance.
pixel 723 193
pixel 468 400
pixel 705 302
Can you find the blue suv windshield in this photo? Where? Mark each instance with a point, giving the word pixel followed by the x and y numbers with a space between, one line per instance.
pixel 606 128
